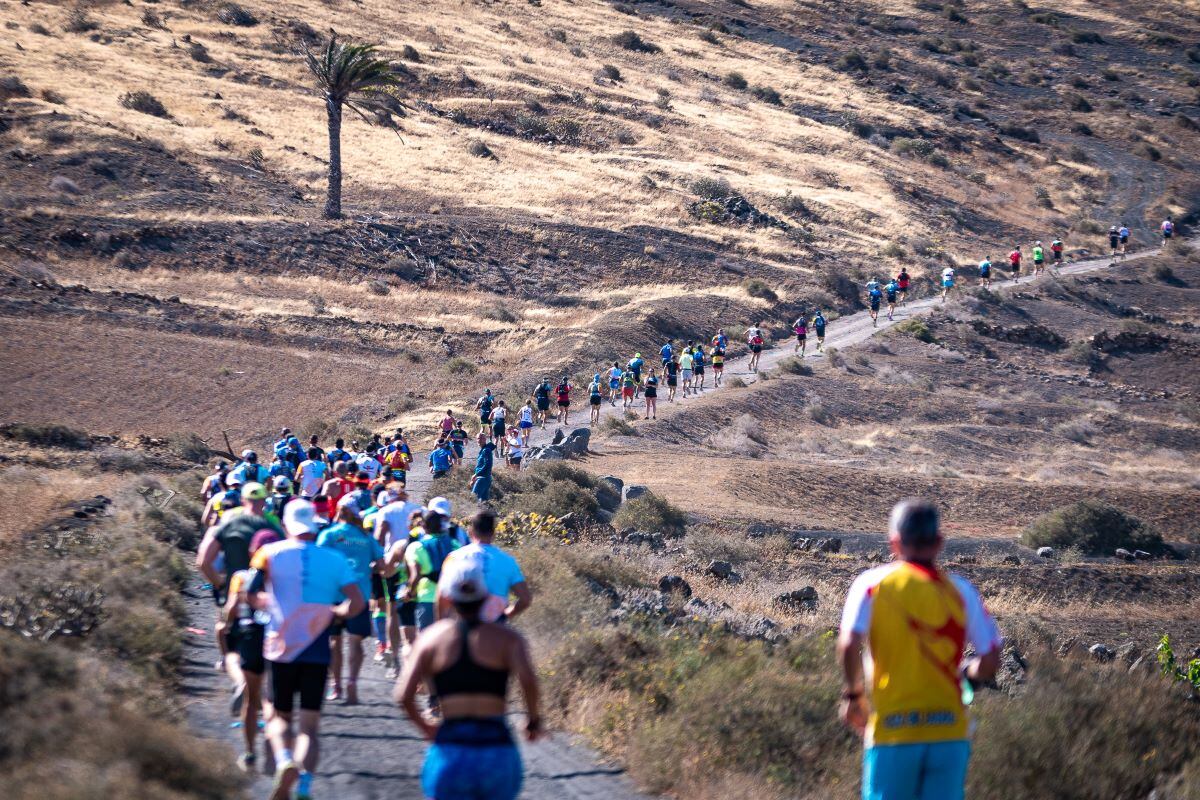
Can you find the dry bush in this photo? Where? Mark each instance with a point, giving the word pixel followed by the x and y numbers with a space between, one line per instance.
pixel 234 14
pixel 617 427
pixel 48 435
pixel 461 366
pixel 743 436
pixel 630 40
pixel 151 19
pixel 712 188
pixel 78 21
pixel 652 514
pixel 145 103
pixel 479 149
pixel 735 80
pixel 758 289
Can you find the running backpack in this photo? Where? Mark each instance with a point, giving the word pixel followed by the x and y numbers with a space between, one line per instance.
pixel 757 340
pixel 437 547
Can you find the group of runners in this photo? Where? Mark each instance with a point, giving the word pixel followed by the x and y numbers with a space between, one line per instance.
pixel 309 557
pixel 319 550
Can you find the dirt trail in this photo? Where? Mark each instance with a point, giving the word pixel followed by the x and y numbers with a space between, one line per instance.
pixel 370 751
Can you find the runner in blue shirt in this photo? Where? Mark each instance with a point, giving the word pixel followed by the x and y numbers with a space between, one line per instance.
pixel 818 324
pixel 874 297
pixel 440 460
pixel 666 352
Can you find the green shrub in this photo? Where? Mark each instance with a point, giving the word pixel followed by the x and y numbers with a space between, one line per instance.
pixel 461 366
pixel 916 328
pixel 757 288
pixel 650 513
pixel 1092 526
pixel 794 366
pixel 611 72
pixel 618 427
pixel 48 435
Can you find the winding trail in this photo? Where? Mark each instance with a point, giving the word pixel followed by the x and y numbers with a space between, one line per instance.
pixel 370 752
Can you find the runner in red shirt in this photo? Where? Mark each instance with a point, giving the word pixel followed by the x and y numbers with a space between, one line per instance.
pixel 563 392
pixel 1014 261
pixel 902 284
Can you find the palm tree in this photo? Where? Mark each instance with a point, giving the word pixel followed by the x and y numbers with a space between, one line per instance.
pixel 354 77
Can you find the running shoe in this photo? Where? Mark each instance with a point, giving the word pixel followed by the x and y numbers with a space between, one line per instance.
pixel 246 762
pixel 286 775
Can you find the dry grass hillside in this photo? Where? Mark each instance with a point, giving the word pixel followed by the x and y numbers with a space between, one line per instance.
pixel 537 195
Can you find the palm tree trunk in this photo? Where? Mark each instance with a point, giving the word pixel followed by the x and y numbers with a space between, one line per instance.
pixel 333 197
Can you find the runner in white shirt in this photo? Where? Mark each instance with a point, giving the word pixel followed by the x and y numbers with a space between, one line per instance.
pixel 312 474
pixel 947 282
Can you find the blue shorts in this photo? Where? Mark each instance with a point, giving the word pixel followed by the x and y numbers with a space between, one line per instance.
pixel 949 284
pixel 935 771
pixel 525 424
pixel 472 759
pixel 359 625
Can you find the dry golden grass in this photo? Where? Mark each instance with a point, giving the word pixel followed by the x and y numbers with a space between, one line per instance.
pixel 31 496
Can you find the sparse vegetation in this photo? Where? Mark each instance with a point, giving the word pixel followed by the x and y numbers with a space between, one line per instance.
pixel 479 149
pixel 759 290
pixel 145 103
pixel 712 188
pixel 630 40
pixel 735 80
pixel 48 435
pixel 1094 527
pixel 916 328
pixel 617 427
pixel 461 366
pixel 611 72
pixel 78 21
pixel 650 513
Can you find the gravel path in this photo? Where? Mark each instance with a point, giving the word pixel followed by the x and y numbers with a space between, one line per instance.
pixel 370 752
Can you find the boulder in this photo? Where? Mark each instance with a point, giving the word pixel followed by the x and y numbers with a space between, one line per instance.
pixel 607 497
pixel 674 583
pixel 634 491
pixel 1129 653
pixel 759 628
pixel 550 452
pixel 1142 555
pixel 576 443
pixel 1012 560
pixel 655 541
pixel 1012 670
pixel 558 437
pixel 805 599
pixel 822 545
pixel 722 571
pixel 1045 552
pixel 1102 652
pixel 757 530
pixel 614 482
pixel 1123 554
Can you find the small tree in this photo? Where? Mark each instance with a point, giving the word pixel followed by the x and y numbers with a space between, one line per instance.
pixel 350 76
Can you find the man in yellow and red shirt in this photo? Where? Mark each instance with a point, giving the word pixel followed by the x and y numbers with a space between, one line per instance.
pixel 913 621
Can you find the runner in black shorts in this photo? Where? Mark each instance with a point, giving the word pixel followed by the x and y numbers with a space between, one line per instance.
pixel 244 637
pixel 542 397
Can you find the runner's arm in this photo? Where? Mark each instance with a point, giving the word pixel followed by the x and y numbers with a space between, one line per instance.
pixel 353 605
pixel 522 599
pixel 527 678
pixel 206 556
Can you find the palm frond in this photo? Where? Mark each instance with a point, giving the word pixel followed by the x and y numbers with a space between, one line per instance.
pixel 350 73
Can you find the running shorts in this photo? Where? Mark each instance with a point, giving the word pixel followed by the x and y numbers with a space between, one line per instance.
pixel 672 380
pixel 247 642
pixel 543 404
pixel 564 403
pixel 359 625
pixel 800 337
pixel 627 391
pixel 473 759
pixel 524 424
pixel 378 591
pixel 651 394
pixel 1112 240
pixel 1167 234
pixel 485 418
pixel 756 348
pixel 298 677
pixel 687 374
pixel 699 370
pixel 936 769
pixel 408 614
pixel 948 283
pixel 458 448
pixel 595 399
pixel 514 460
pixel 498 428
pixel 1124 240
pixel 425 615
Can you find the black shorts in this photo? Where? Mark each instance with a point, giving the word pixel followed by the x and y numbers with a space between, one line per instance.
pixel 564 403
pixel 543 404
pixel 355 626
pixel 485 418
pixel 596 399
pixel 800 337
pixel 1113 240
pixel 408 614
pixel 303 677
pixel 672 380
pixel 1124 240
pixel 874 306
pixel 247 642
pixel 378 586
pixel 1015 267
pixel 756 348
pixel 1167 234
pixel 498 429
pixel 1058 256
pixel 820 334
pixel 651 394
pixel 1037 262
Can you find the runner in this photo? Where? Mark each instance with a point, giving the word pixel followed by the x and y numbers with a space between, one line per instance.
pixel 595 398
pixel 338 453
pixel 368 463
pixel 499 425
pixel 800 328
pixel 249 470
pixel 685 370
pixel 819 323
pixel 890 293
pixel 755 341
pixel 874 297
pixel 541 396
pixel 365 556
pixel 524 424
pixel 652 392
pixel 914 620
pixel 424 559
pixel 481 480
pixel 1056 252
pixel 1123 232
pixel 628 390
pixel 902 281
pixel 1014 264
pixel 720 340
pixel 985 272
pixel 508 593
pixel 439 459
pixel 672 378
pixel 312 474
pixel 398 458
pixel 484 406
pixel 243 632
pixel 635 366
pixel 947 282
pixel 302 587
pixel 281 495
pixel 392 532
pixel 563 394
pixel 458 436
pixel 448 421
pixel 516 450
pixel 314 443
pixel 872 284
pixel 667 352
pixel 614 383
pixel 466 663
pixel 1039 259
pixel 1168 230
pixel 718 365
pixel 698 366
pixel 214 484
pixel 281 468
pixel 340 484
